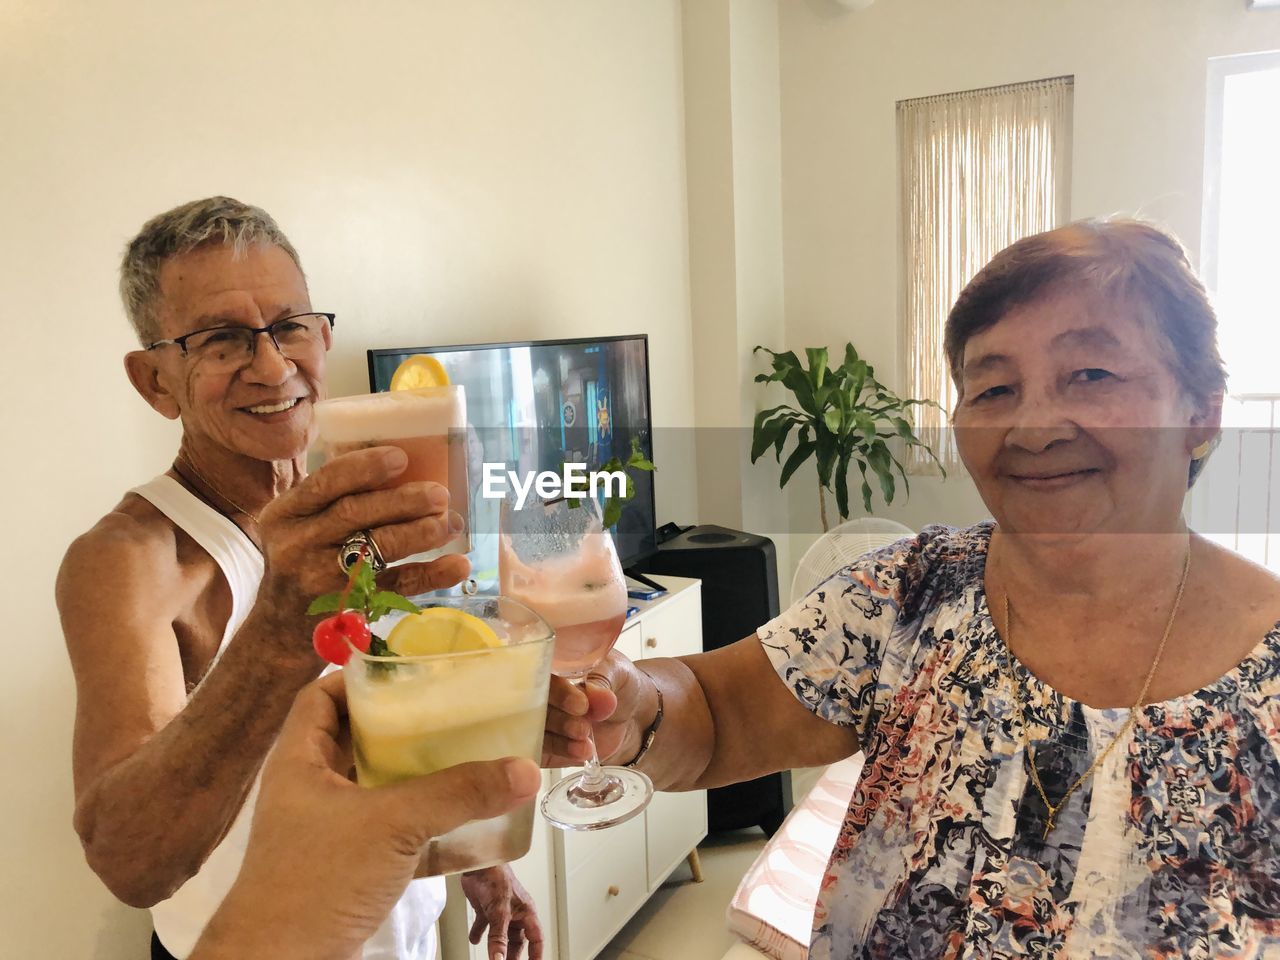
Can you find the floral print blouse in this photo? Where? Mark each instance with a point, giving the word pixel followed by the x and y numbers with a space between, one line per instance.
pixel 1170 850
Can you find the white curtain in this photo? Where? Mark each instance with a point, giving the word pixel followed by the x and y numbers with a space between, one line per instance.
pixel 980 169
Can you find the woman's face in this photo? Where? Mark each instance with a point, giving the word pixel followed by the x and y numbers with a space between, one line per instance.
pixel 1071 421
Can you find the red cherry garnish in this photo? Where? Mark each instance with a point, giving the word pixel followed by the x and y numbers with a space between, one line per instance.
pixel 332 634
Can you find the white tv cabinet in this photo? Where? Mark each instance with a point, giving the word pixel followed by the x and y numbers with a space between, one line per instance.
pixel 588 885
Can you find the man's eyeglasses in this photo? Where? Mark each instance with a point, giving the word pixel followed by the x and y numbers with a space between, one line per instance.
pixel 230 348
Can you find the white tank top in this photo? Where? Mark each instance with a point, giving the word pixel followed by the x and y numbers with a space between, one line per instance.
pixel 409 933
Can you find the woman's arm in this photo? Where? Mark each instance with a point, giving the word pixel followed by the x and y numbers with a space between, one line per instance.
pixel 727 717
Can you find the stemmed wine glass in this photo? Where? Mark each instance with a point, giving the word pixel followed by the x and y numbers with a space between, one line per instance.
pixel 556 558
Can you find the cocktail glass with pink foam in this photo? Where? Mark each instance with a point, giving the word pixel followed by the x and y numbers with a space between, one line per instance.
pixel 429 425
pixel 555 557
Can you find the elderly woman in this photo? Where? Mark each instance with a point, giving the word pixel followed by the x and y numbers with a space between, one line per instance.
pixel 1067 712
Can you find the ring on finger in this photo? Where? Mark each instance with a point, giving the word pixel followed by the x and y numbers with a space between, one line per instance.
pixel 356 544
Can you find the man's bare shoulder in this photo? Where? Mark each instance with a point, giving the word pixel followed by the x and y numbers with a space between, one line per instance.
pixel 133 548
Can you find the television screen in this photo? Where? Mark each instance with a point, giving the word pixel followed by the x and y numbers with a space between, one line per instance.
pixel 536 406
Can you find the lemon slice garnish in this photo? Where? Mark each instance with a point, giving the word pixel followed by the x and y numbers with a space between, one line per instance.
pixel 419 371
pixel 438 630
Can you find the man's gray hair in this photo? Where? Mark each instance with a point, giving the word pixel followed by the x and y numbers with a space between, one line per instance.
pixel 200 223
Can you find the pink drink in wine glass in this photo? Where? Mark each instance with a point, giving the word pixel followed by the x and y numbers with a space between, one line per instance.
pixel 583 597
pixel 556 558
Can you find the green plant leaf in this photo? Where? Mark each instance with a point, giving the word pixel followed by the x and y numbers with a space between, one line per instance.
pixel 817 366
pixel 903 429
pixel 797 381
pixel 854 370
pixel 764 432
pixel 781 439
pixel 880 461
pixel 822 396
pixel 842 485
pixel 782 362
pixel 866 487
pixel 827 452
pixel 612 512
pixel 832 419
pixel 638 459
pixel 803 451
pixel 906 481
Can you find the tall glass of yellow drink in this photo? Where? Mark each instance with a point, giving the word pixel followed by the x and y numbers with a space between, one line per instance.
pixel 470 683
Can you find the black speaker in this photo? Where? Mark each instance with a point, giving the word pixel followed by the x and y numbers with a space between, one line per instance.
pixel 739 574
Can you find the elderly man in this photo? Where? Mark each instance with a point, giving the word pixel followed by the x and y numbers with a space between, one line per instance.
pixel 184 607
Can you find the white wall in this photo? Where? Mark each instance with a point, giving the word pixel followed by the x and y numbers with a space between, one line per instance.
pixel 1139 66
pixel 733 144
pixel 450 172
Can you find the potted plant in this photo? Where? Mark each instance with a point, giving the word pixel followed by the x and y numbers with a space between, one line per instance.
pixel 841 417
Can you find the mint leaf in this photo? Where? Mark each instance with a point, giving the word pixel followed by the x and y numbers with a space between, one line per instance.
pixel 378 648
pixel 363 586
pixel 326 604
pixel 390 600
pixel 363 596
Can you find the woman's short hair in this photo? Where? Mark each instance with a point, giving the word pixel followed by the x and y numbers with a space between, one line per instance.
pixel 1122 261
pixel 213 220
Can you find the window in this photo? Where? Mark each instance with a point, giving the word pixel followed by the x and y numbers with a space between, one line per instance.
pixel 980 169
pixel 1236 501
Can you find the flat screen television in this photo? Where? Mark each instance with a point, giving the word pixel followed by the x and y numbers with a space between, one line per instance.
pixel 539 404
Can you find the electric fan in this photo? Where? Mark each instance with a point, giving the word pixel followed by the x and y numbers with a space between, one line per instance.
pixel 839 547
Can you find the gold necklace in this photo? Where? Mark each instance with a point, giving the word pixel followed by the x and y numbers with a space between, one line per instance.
pixel 1129 720
pixel 208 484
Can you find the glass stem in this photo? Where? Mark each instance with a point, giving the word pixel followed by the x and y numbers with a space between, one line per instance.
pixel 593 777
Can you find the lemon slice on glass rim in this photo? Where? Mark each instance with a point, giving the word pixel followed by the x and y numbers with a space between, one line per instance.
pixel 418 372
pixel 440 630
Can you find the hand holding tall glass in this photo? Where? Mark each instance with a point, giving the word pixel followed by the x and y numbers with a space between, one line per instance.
pixel 557 558
pixel 480 695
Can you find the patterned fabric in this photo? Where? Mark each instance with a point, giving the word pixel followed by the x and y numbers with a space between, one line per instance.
pixel 1170 850
pixel 773 906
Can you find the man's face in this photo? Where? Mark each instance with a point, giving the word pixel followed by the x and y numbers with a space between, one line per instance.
pixel 265 409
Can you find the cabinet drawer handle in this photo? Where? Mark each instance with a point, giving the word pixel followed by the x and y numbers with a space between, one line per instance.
pixel 613 891
pixel 651 642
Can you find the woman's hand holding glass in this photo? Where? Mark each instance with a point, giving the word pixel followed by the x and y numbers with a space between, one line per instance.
pixel 615 705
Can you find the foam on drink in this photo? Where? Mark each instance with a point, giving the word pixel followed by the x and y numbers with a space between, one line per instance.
pixel 392 416
pixel 429 425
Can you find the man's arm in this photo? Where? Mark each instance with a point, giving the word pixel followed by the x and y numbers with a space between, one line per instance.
pixel 727 717
pixel 160 778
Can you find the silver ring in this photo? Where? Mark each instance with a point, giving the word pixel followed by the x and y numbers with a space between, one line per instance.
pixel 349 552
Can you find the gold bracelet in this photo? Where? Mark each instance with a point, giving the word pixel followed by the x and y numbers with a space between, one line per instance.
pixel 651 733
